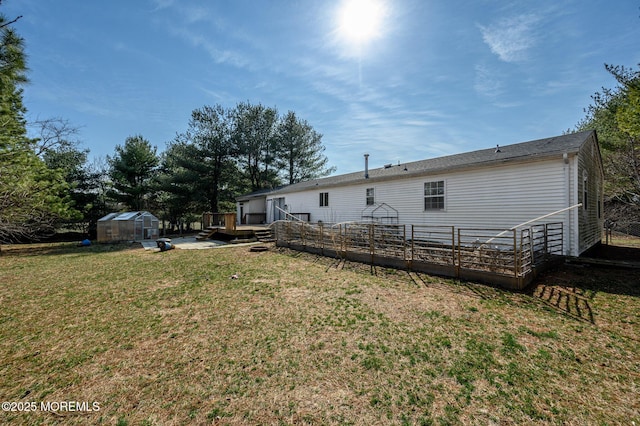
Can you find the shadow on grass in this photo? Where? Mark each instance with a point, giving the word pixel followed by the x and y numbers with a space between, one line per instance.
pixel 572 288
pixel 54 249
pixel 629 253
pixel 592 279
pixel 619 273
pixel 568 289
pixel 569 301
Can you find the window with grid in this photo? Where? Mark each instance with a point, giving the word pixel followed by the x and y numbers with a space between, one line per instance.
pixel 434 195
pixel 370 196
pixel 324 199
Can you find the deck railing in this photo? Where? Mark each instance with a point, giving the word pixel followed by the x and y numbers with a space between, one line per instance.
pixel 504 257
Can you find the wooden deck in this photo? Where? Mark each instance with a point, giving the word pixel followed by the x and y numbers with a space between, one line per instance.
pixel 237 232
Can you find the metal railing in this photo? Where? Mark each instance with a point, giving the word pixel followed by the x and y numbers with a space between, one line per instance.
pixel 509 253
pixel 626 228
pixel 291 216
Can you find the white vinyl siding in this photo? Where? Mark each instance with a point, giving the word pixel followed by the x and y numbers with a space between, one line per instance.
pixel 501 196
pixel 590 183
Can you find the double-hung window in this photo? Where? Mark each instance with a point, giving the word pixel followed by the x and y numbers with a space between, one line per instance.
pixel 371 199
pixel 434 195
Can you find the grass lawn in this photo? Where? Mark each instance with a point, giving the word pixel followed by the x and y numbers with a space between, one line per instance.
pixel 170 338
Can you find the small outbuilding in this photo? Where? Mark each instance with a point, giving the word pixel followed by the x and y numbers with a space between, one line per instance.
pixel 128 226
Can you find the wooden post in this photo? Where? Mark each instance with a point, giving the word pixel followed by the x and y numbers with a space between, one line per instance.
pixel 413 243
pixel 372 249
pixel 404 242
pixel 229 221
pixel 515 254
pixel 453 246
pixel 459 257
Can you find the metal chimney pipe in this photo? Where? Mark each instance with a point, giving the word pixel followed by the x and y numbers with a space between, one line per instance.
pixel 366 166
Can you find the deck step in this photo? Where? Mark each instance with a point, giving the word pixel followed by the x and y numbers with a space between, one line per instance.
pixel 206 233
pixel 265 236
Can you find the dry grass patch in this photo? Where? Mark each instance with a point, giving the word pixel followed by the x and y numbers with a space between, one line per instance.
pixel 171 338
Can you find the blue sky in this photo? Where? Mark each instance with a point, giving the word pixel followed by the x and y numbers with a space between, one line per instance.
pixel 430 78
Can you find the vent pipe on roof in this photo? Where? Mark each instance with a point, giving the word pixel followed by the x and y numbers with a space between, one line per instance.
pixel 366 166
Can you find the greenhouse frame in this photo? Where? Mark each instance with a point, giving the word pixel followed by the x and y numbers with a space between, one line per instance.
pixel 128 226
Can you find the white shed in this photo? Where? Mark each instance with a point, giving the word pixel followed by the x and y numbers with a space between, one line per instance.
pixel 499 187
pixel 128 226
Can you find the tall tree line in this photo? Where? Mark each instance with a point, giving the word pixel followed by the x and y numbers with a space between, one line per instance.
pixel 226 152
pixel 46 182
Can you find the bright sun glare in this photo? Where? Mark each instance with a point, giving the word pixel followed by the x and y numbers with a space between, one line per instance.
pixel 360 20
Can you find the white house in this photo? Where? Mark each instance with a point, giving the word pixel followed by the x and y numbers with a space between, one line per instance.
pixel 499 187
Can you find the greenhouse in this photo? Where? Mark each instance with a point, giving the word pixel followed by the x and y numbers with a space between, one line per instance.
pixel 128 226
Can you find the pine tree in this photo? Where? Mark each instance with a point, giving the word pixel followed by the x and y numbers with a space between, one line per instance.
pixel 300 150
pixel 33 198
pixel 133 169
pixel 200 161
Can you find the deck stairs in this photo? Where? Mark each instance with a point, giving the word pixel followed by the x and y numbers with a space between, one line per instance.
pixel 206 233
pixel 265 235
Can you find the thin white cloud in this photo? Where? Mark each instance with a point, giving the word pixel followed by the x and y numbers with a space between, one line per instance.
pixel 196 14
pixel 487 83
pixel 418 123
pixel 202 27
pixel 220 56
pixel 511 38
pixel 162 4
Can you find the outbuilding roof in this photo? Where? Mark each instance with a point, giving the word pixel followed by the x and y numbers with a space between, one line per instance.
pixel 524 151
pixel 124 216
pixel 256 194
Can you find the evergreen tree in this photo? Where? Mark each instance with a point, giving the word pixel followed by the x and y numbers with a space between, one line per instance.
pixel 132 170
pixel 255 142
pixel 200 162
pixel 85 185
pixel 300 150
pixel 33 198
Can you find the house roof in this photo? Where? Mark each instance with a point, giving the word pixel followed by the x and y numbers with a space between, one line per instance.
pixel 257 194
pixel 524 151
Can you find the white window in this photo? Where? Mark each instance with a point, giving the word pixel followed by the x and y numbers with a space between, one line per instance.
pixel 324 199
pixel 434 195
pixel 371 199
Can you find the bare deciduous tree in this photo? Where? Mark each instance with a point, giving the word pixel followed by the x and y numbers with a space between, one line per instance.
pixel 54 133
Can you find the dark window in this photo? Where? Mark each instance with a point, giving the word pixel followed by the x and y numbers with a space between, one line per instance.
pixel 599 209
pixel 434 195
pixel 585 191
pixel 324 199
pixel 370 196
